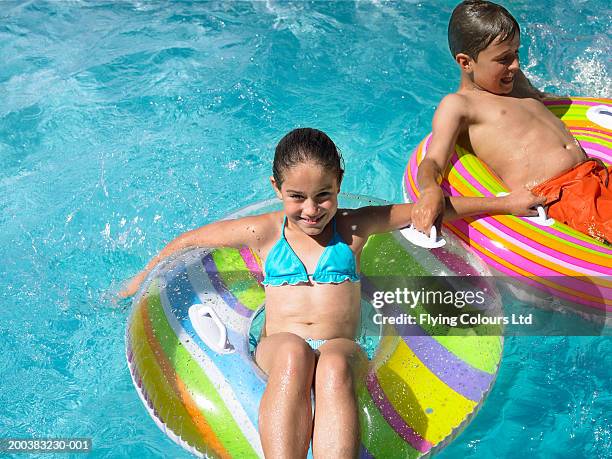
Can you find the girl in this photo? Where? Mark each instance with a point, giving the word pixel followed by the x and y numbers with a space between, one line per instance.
pixel 311 251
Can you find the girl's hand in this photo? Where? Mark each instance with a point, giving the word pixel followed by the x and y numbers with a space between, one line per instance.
pixel 428 209
pixel 522 203
pixel 133 285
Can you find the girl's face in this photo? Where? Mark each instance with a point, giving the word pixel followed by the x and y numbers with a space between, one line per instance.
pixel 310 196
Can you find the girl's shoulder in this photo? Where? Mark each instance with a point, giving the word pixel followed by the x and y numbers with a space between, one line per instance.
pixel 355 216
pixel 264 225
pixel 365 221
pixel 352 222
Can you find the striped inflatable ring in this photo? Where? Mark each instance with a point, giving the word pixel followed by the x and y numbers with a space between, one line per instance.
pixel 559 264
pixel 421 388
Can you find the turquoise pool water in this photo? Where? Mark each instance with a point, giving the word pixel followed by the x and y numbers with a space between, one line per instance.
pixel 125 123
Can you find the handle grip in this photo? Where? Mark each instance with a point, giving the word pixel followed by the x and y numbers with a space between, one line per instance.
pixel 423 240
pixel 542 219
pixel 209 328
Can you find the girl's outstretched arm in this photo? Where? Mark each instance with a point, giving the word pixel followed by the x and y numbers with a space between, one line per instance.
pixel 248 231
pixel 380 219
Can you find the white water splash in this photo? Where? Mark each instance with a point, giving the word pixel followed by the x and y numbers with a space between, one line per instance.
pixel 592 73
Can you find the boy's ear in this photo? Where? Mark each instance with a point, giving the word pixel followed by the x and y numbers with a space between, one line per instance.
pixel 464 61
pixel 276 188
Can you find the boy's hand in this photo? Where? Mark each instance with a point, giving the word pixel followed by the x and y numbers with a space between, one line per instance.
pixel 522 203
pixel 428 209
pixel 133 285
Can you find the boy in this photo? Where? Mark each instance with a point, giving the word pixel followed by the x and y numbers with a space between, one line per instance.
pixel 498 115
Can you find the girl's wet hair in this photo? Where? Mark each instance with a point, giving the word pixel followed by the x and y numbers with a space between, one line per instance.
pixel 306 145
pixel 475 24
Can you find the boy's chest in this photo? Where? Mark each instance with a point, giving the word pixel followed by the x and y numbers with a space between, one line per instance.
pixel 501 125
pixel 507 113
pixel 520 139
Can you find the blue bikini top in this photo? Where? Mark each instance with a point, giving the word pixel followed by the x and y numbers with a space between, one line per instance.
pixel 336 265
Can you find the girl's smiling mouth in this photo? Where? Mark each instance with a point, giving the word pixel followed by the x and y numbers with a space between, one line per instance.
pixel 311 221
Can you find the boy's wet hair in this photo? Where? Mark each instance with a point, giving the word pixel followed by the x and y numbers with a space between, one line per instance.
pixel 474 24
pixel 306 145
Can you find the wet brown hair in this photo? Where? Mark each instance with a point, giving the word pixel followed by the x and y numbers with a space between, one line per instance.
pixel 306 145
pixel 474 25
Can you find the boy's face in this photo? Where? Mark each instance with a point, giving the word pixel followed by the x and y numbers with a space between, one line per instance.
pixel 496 66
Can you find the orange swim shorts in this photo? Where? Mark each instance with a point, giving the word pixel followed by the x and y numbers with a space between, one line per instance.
pixel 582 198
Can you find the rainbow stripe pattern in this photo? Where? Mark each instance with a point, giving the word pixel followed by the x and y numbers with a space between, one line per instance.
pixel 420 390
pixel 558 262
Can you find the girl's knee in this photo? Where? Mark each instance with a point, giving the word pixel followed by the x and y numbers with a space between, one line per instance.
pixel 294 356
pixel 334 373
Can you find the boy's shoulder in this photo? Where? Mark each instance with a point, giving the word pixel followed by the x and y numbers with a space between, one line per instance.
pixel 454 101
pixel 474 106
pixel 454 106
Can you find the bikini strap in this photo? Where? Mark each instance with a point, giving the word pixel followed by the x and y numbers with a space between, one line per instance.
pixel 283 228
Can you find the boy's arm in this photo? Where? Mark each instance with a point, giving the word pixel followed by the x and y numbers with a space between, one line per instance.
pixel 520 203
pixel 247 231
pixel 447 122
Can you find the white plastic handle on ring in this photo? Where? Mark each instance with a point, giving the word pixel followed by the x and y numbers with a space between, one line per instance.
pixel 209 328
pixel 423 240
pixel 542 219
pixel 600 114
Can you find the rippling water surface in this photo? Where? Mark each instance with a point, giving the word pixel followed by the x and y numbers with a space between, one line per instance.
pixel 125 123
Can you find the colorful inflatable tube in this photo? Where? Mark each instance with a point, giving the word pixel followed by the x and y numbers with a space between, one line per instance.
pixel 559 264
pixel 187 346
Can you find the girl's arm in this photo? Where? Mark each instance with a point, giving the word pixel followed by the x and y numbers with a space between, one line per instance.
pixel 380 219
pixel 248 231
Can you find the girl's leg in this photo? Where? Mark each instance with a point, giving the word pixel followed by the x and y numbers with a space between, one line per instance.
pixel 336 426
pixel 285 416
